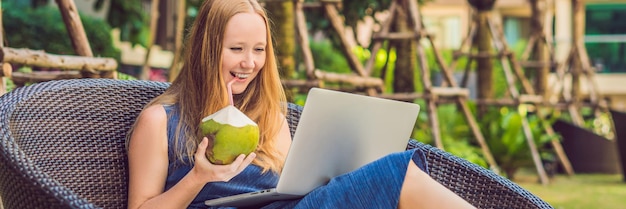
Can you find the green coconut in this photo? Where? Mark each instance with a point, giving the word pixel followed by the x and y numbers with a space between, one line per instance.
pixel 230 133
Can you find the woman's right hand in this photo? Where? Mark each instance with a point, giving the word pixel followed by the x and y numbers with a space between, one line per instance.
pixel 205 171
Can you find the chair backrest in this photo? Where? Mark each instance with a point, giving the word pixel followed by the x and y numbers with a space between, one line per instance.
pixel 63 142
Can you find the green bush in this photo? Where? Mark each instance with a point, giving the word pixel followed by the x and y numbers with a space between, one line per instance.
pixel 505 136
pixel 456 135
pixel 43 28
pixel 328 58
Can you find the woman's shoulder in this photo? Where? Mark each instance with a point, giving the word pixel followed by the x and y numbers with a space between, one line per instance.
pixel 150 126
pixel 153 113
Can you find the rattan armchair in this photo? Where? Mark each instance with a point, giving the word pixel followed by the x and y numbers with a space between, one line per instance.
pixel 62 146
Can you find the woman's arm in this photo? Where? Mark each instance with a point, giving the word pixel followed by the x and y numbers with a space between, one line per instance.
pixel 284 137
pixel 148 164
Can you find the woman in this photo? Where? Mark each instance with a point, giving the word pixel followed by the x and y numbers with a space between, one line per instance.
pixel 231 39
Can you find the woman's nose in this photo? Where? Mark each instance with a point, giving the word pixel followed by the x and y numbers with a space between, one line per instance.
pixel 247 62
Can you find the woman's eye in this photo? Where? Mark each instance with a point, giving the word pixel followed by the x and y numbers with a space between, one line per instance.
pixel 236 48
pixel 260 49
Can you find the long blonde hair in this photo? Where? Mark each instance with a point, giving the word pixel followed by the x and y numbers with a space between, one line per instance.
pixel 199 90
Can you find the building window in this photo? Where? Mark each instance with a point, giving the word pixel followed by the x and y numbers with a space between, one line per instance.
pixel 447 30
pixel 605 36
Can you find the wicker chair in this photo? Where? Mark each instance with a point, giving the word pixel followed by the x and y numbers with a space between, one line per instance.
pixel 62 146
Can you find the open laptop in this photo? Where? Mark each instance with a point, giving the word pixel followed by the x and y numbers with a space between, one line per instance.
pixel 338 132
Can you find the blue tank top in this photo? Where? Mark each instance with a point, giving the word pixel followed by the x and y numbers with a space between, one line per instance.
pixel 251 179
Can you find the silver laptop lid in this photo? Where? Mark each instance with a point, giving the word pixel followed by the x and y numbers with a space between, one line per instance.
pixel 339 132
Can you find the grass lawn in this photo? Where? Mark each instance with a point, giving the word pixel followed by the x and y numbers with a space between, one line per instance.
pixel 579 191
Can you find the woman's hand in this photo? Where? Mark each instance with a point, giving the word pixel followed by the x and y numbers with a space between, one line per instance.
pixel 205 171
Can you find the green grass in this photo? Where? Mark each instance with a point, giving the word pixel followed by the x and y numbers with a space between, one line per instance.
pixel 578 191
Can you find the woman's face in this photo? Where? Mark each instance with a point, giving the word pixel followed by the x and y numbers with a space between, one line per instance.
pixel 243 53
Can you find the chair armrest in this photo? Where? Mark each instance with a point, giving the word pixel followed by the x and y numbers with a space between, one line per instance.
pixel 479 186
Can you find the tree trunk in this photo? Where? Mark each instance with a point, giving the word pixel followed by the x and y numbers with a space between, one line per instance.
pixel 578 35
pixel 282 13
pixel 40 58
pixel 178 42
pixel 154 17
pixel 404 72
pixel 484 43
pixel 74 27
pixel 540 53
pixel 484 64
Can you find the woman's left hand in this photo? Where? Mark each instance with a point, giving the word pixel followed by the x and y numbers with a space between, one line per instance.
pixel 206 171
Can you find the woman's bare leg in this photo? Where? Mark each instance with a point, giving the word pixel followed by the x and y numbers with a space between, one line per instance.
pixel 419 190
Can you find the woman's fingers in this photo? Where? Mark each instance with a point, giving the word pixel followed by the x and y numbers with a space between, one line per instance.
pixel 242 161
pixel 200 152
pixel 249 159
pixel 246 161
